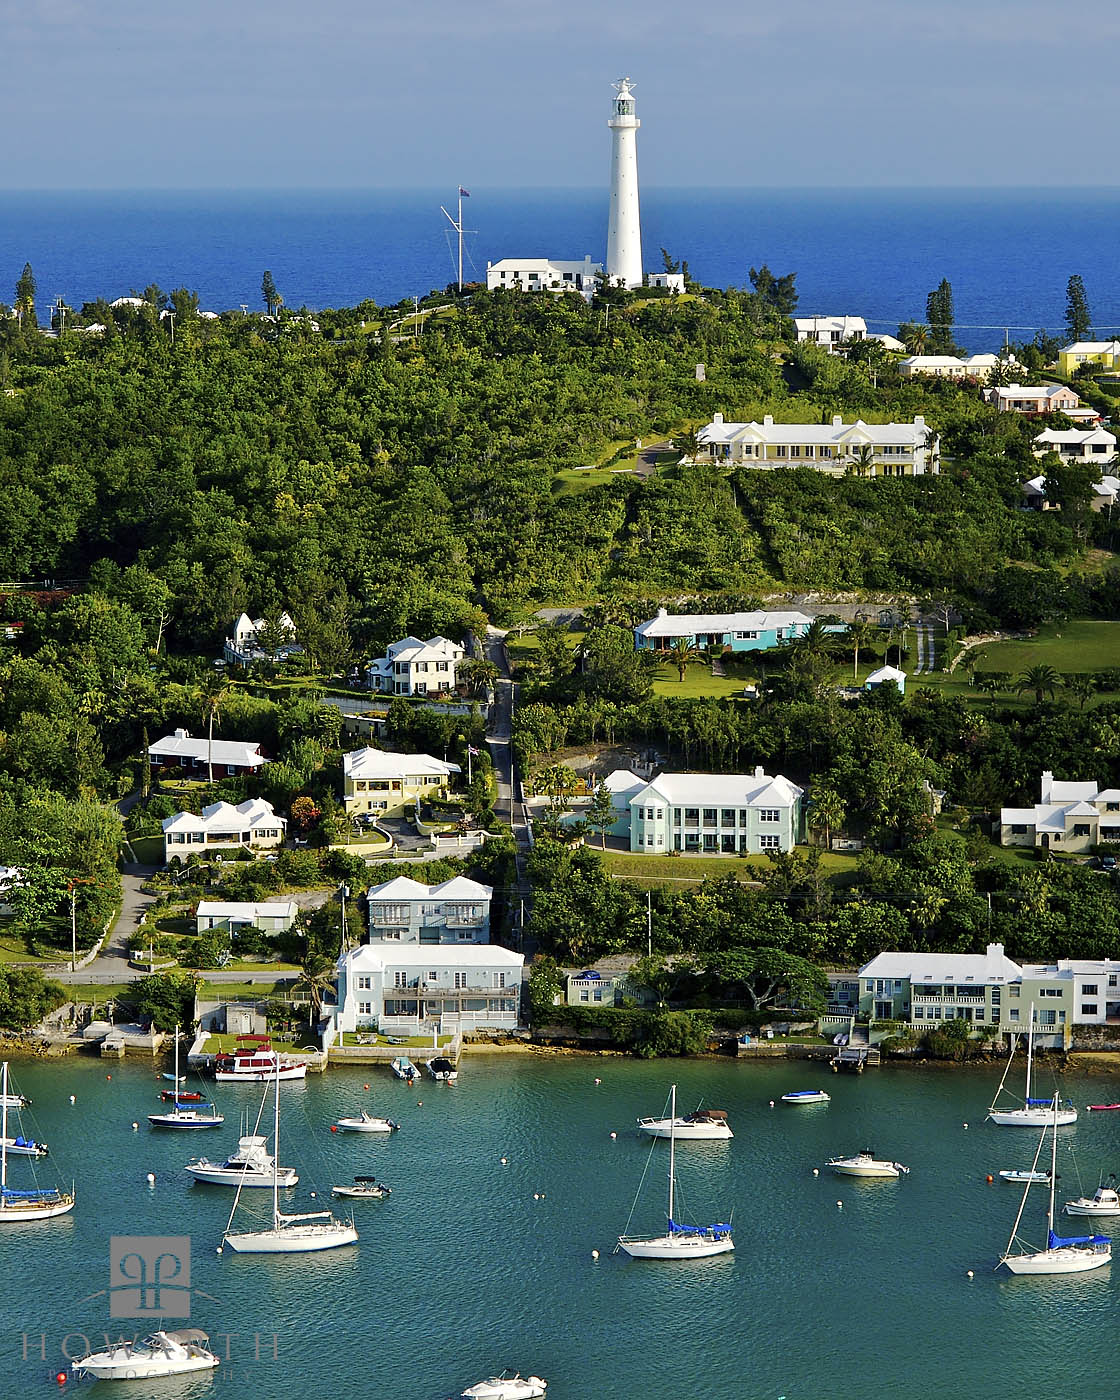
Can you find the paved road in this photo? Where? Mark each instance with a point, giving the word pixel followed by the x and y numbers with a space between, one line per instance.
pixel 511 804
pixel 112 965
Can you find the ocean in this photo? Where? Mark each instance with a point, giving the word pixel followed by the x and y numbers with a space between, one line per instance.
pixel 505 1184
pixel 1007 252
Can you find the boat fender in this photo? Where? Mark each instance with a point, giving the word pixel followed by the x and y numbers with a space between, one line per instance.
pixel 816 1171
pixel 61 1378
pixel 73 1099
pixel 613 1136
pixel 839 1205
pixel 771 1103
pixel 594 1254
pixel 965 1126
pixel 503 1161
pixel 419 1103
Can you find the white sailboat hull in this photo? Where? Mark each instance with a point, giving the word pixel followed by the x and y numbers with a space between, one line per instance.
pixel 292 1239
pixel 12 1212
pixel 684 1131
pixel 1057 1261
pixel 1031 1117
pixel 677 1247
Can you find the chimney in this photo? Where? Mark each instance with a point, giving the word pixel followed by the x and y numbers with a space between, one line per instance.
pixel 919 420
pixel 182 734
pixel 1047 783
pixel 717 418
pixel 662 612
pixel 768 420
pixel 759 771
pixel 994 951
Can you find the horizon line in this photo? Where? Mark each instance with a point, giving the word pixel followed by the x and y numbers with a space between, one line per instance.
pixel 846 188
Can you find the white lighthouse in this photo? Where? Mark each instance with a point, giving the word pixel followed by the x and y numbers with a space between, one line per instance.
pixel 624 231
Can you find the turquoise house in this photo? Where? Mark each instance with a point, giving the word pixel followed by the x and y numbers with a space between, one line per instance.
pixel 734 632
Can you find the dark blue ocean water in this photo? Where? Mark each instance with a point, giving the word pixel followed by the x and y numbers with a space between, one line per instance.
pixel 1008 253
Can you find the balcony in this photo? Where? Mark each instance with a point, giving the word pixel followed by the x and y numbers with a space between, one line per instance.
pixel 958 998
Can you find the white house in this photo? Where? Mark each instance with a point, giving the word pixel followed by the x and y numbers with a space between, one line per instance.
pixel 272 916
pixel 1072 817
pixel 243 646
pixel 1095 987
pixel 1076 444
pixel 544 274
pixel 1105 493
pixel 405 911
pixel 886 675
pixel 674 281
pixel 127 303
pixel 11 878
pixel 252 824
pixel 180 750
pixel 896 449
pixel 716 813
pixel 411 989
pixel 413 667
pixel 376 781
pixel 977 367
pixel 829 331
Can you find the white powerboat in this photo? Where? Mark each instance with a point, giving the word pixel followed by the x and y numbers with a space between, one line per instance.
pixel 366 1123
pixel 806 1096
pixel 403 1068
pixel 38 1202
pixel 365 1188
pixel 510 1385
pixel 1069 1255
pixel 161 1354
pixel 251 1165
pixel 304 1233
pixel 442 1069
pixel 1035 1113
pixel 1018 1176
pixel 679 1241
pixel 1105 1200
pixel 865 1163
pixel 257 1063
pixel 702 1125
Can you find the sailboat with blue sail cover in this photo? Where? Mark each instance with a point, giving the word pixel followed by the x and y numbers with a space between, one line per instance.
pixel 35 1203
pixel 1035 1113
pixel 1061 1254
pixel 679 1241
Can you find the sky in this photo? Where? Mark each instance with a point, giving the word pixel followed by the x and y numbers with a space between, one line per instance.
pixel 137 94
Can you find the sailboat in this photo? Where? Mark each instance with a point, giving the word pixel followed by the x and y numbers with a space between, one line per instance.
pixel 199 1115
pixel 679 1241
pixel 1035 1113
pixel 289 1234
pixel 1060 1255
pixel 41 1203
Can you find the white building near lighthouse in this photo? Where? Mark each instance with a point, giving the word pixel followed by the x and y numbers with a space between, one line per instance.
pixel 624 229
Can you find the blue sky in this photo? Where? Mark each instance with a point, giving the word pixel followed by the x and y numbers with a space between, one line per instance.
pixel 365 93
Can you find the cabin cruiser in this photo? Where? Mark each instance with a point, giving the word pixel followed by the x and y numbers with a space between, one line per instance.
pixel 251 1165
pixel 865 1163
pixel 703 1124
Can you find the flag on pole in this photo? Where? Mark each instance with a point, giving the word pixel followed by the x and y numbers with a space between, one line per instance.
pixel 466 194
pixel 472 751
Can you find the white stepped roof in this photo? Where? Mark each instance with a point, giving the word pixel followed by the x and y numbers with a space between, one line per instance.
pixel 379 763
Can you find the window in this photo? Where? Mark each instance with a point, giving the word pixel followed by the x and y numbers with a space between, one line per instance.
pixel 1089 989
pixel 769 814
pixel 400 979
pixel 1050 991
pixel 1019 829
pixel 584 994
pixel 364 984
pixel 365 1008
pixel 709 816
pixel 499 979
pixel 1047 1018
pixel 1013 1014
pixel 1089 1008
pixel 727 816
pixel 692 816
pixel 769 843
pixel 460 981
pixel 598 994
pixel 781 451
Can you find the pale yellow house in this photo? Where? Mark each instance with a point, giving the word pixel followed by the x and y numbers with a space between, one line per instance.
pixel 1089 352
pixel 382 784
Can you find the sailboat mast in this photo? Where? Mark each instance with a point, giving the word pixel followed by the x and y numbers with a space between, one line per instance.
pixel 672 1147
pixel 276 1150
pixel 1030 1051
pixel 4 1131
pixel 1053 1172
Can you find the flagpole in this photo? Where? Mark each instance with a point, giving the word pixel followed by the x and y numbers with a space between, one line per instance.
pixel 460 240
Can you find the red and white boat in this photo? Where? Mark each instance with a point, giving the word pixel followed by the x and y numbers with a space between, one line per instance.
pixel 1103 1107
pixel 254 1061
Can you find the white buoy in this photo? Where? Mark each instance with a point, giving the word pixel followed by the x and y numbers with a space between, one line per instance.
pixel 536 1197
pixel 970 1273
pixel 839 1205
pixel 505 1161
pixel 594 1254
pixel 816 1171
pixel 73 1099
pixel 218 1250
pixel 314 1194
pixel 136 1127
pixel 598 1081
pixel 613 1136
pixel 151 1178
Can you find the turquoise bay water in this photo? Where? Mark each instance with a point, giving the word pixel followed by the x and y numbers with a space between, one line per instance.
pixel 462 1272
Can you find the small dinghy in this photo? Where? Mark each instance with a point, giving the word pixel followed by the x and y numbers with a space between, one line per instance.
pixel 366 1123
pixel 365 1188
pixel 1020 1175
pixel 1103 1107
pixel 807 1096
pixel 508 1386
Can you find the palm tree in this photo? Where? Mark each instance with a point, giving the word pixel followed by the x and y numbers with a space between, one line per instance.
pixel 681 652
pixel 915 337
pixel 988 682
pixel 826 812
pixel 316 976
pixel 212 695
pixel 861 462
pixel 859 634
pixel 1082 687
pixel 687 443
pixel 1040 681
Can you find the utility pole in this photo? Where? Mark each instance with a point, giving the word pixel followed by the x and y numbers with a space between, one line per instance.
pixel 649 923
pixel 73 929
pixel 343 891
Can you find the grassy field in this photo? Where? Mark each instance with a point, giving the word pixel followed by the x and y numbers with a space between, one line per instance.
pixel 216 1044
pixel 357 1039
pixel 657 870
pixel 1077 645
pixel 249 991
pixel 148 850
pixel 576 480
pixel 698 682
pixel 98 991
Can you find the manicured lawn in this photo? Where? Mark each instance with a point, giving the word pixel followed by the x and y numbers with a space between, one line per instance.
pixel 148 850
pixel 574 481
pixel 218 1043
pixel 358 1039
pixel 249 991
pixel 654 869
pixel 698 682
pixel 1078 645
pixel 98 991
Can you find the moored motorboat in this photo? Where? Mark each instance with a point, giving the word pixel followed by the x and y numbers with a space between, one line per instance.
pixel 20 1146
pixel 251 1165
pixel 510 1385
pixel 403 1068
pixel 865 1163
pixel 365 1188
pixel 161 1354
pixel 443 1069
pixel 366 1123
pixel 702 1125
pixel 1019 1175
pixel 1105 1200
pixel 256 1062
pixel 807 1096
